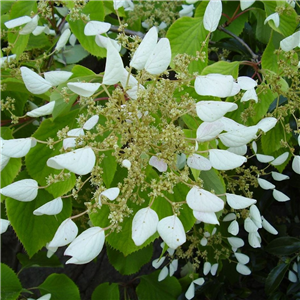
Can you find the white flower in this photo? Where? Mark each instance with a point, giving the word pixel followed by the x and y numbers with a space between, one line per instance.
pixel 280 159
pixel 127 4
pixel 156 263
pixel 17 22
pixel 290 42
pixel 85 89
pixel 96 27
pixel 30 26
pixel 296 164
pixel 86 246
pixel 242 269
pixel 225 160
pixel 3 225
pixel 206 217
pixel 63 40
pixel 64 235
pixel 198 162
pixel 45 297
pixel 57 77
pixel 171 231
pixel 265 184
pixel 209 130
pixel 158 164
pixel 111 194
pixel 279 196
pixel 246 3
pixel 187 10
pixel 275 18
pixel 233 228
pixel 239 202
pixel 144 225
pixel 163 274
pixel 44 110
pixel 212 15
pixel 126 164
pixel 23 190
pixel 8 58
pixel 16 147
pixel 267 226
pixel 53 207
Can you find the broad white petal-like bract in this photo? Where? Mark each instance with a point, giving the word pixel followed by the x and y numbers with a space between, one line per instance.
pixel 75 132
pixel 69 143
pixel 3 225
pixel 85 89
pixel 254 239
pixel 113 72
pixel 231 125
pixel 111 193
pixel 102 42
pixel 198 162
pixel 163 274
pixel 63 39
pixel 16 147
pixel 265 184
pixel 267 226
pixel 246 83
pixel 229 217
pixel 144 225
pixel 278 176
pixel 206 217
pixel 132 83
pixel 249 225
pixel 65 234
pixel 57 77
pixel 156 263
pixel 264 158
pixel 17 22
pixel 34 82
pixel 240 150
pixel 171 231
pixel 242 258
pixel 203 201
pixel 3 161
pixel 158 164
pixel 280 196
pixel 144 50
pixel 53 207
pixel 233 228
pixel 225 160
pixel 206 267
pixel 209 130
pixel 246 3
pixel 235 242
pixel 296 164
pixel 212 15
pixel 210 111
pixel 190 293
pixel 91 122
pixel 80 161
pixel 38 30
pixel 173 267
pixel 266 124
pixel 24 190
pixel 44 110
pixel 250 95
pixel 280 159
pixel 274 17
pixel 240 137
pixel 255 216
pixel 214 268
pixel 242 269
pixel 86 246
pixel 290 42
pixel 217 85
pixel 239 202
pixel 187 10
pixel 30 26
pixel 160 57
pixel 96 27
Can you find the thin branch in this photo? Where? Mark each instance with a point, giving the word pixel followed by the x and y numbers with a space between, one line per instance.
pixel 114 28
pixel 254 56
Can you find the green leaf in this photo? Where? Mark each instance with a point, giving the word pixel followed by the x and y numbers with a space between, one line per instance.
pixel 95 10
pixel 35 231
pixel 36 159
pixel 61 287
pixel 186 35
pixel 285 245
pixel 13 167
pixel 223 67
pixel 72 54
pixel 80 71
pixel 131 263
pixel 5 6
pixel 212 180
pixel 38 42
pixel 271 140
pixel 262 31
pixel 61 106
pixel 269 59
pixel 10 284
pixel 275 277
pixel 109 166
pixel 106 291
pixel 150 288
pixel 19 9
pixel 39 259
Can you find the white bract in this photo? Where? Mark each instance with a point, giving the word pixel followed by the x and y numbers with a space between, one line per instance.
pixel 57 77
pixel 34 82
pixel 217 85
pixel 265 184
pixel 44 110
pixel 212 15
pixel 24 190
pixel 86 246
pixel 198 162
pixel 16 147
pixel 45 297
pixel 131 82
pixel 3 225
pixel 163 274
pixel 264 158
pixel 17 22
pixel 250 95
pixel 235 242
pixel 65 234
pixel 266 124
pixel 210 111
pixel 239 202
pixel 127 4
pixel 278 176
pixel 279 196
pixel 91 122
pixel 96 27
pixel 113 72
pixel 206 217
pixel 63 40
pixel 233 228
pixel 225 160
pixel 79 161
pixel 158 164
pixel 85 89
pixel 242 269
pixel 242 258
pixel 267 226
pixel 103 41
pixel 240 137
pixel 280 159
pixel 53 207
pixel 187 10
pixel 203 201
pixel 171 231
pixel 275 18
pixel 111 194
pixel 296 164
pixel 144 225
pixel 209 130
pixel 290 42
pixel 30 26
pixel 255 216
pixel 8 58
pixel 246 3
pixel 156 263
